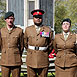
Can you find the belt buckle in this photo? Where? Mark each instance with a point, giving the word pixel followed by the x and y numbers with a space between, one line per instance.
pixel 36 48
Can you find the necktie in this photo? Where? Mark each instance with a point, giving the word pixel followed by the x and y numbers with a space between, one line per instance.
pixel 65 36
pixel 37 29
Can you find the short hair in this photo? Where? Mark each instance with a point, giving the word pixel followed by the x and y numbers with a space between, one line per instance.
pixel 67 20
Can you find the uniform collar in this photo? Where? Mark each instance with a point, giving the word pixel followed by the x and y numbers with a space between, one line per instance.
pixel 66 33
pixel 38 26
pixel 69 37
pixel 9 29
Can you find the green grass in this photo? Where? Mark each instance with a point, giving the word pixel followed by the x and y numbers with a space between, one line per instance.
pixel 25 75
pixel 51 74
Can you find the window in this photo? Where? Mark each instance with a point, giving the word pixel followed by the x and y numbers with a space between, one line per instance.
pixel 31 7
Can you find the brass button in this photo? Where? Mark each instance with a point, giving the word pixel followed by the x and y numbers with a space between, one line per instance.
pixel 36 39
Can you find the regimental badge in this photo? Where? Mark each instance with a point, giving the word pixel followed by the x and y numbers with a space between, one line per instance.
pixel 38 12
pixel 44 34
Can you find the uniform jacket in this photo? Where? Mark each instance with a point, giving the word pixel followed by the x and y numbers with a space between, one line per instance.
pixel 37 58
pixel 0 39
pixel 66 50
pixel 11 46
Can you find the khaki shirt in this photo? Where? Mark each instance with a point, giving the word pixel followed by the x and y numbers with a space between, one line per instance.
pixel 11 46
pixel 37 58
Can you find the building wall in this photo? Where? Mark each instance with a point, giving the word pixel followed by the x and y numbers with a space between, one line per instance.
pixel 48 7
pixel 17 6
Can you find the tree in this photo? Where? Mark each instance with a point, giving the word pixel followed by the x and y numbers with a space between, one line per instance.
pixel 2 12
pixel 74 28
pixel 65 9
pixel 60 12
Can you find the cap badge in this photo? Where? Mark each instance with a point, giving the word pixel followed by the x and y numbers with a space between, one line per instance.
pixel 38 12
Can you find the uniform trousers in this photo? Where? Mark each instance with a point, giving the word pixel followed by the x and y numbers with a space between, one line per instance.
pixel 37 72
pixel 66 71
pixel 7 70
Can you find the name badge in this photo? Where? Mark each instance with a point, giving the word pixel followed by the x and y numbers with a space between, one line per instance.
pixel 44 34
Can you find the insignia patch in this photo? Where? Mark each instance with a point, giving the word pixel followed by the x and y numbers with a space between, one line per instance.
pixel 44 34
pixel 38 12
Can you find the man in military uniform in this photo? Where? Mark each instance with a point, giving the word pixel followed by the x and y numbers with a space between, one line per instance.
pixel 11 47
pixel 38 42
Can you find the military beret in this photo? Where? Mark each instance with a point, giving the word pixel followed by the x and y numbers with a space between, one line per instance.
pixel 37 12
pixel 8 14
pixel 67 20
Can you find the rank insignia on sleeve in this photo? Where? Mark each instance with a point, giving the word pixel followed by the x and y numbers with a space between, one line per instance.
pixel 44 34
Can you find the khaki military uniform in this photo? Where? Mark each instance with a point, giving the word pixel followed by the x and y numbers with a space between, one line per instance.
pixel 11 48
pixel 0 40
pixel 37 58
pixel 66 58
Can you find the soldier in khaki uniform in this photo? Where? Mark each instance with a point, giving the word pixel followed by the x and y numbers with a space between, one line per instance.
pixel 11 47
pixel 0 40
pixel 38 42
pixel 65 46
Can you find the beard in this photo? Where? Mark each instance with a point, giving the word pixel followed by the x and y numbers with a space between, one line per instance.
pixel 38 24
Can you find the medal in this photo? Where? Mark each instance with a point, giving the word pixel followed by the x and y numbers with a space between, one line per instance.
pixel 44 34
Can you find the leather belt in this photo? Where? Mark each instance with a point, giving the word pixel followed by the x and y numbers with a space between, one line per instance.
pixel 37 48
